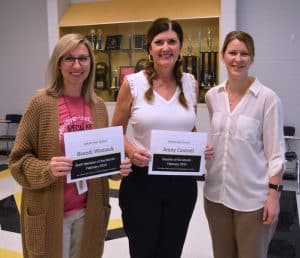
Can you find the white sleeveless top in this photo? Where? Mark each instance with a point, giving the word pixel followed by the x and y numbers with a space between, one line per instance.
pixel 160 114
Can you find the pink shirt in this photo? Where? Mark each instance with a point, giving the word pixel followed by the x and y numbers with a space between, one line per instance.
pixel 74 115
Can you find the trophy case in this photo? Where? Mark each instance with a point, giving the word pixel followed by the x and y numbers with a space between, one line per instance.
pixel 201 57
pixel 120 49
pixel 208 73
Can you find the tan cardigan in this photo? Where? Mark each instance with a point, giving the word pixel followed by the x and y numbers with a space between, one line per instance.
pixel 42 194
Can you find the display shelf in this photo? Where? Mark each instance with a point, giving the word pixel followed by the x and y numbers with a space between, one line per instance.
pixel 130 51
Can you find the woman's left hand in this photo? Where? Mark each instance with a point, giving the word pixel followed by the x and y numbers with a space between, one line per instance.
pixel 271 208
pixel 125 167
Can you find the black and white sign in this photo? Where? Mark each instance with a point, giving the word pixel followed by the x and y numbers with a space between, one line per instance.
pixel 177 153
pixel 95 153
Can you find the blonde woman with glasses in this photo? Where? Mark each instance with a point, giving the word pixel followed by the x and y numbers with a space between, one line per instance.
pixel 60 219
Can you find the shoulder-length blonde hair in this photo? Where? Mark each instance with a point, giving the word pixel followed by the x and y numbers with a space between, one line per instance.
pixel 54 76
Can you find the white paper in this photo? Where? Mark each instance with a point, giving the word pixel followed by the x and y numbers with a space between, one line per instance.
pixel 95 153
pixel 177 153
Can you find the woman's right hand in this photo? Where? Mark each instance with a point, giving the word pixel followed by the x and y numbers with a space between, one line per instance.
pixel 125 167
pixel 140 157
pixel 209 152
pixel 60 166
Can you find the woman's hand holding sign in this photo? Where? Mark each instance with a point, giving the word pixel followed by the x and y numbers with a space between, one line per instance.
pixel 60 166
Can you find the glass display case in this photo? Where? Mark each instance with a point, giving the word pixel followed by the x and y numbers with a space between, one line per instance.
pixel 120 48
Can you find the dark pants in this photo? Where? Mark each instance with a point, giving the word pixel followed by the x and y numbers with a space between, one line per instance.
pixel 156 211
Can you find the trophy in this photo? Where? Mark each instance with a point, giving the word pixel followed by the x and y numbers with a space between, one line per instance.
pixel 115 79
pixel 189 63
pixel 93 39
pixel 130 41
pixel 199 42
pixel 190 46
pixel 99 40
pixel 101 76
pixel 209 40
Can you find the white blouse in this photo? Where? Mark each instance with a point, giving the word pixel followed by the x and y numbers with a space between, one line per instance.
pixel 160 114
pixel 248 144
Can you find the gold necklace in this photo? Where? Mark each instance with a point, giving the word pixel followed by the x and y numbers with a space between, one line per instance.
pixel 231 100
pixel 234 100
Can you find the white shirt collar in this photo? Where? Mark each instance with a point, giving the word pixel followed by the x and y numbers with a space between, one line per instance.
pixel 254 88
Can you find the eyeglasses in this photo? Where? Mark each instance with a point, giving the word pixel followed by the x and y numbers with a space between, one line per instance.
pixel 83 60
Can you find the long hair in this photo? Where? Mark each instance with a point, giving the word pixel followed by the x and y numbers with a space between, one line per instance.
pixel 54 76
pixel 158 26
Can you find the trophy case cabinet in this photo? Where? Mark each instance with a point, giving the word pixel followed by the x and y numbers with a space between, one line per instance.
pixel 120 49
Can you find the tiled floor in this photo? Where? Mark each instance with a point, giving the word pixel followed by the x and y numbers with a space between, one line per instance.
pixel 197 244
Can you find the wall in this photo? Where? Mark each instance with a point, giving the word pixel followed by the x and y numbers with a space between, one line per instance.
pixel 274 25
pixel 24 52
pixel 29 30
pixel 227 24
pixel 55 10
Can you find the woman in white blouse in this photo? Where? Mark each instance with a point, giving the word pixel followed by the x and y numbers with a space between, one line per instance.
pixel 245 159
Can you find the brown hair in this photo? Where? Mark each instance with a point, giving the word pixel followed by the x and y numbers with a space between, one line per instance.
pixel 55 80
pixel 241 36
pixel 158 26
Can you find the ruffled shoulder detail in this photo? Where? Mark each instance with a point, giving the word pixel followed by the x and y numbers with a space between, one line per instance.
pixel 188 84
pixel 135 80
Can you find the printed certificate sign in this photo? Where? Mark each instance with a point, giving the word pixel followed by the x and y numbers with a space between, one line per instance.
pixel 177 153
pixel 95 153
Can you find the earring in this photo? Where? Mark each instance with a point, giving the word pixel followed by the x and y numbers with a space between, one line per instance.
pixel 180 58
pixel 150 58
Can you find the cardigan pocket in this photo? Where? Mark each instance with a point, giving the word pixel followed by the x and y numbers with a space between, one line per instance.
pixel 35 233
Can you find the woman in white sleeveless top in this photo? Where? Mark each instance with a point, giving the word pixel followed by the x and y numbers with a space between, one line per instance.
pixel 156 210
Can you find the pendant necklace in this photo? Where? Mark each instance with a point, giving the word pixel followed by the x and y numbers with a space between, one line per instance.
pixel 72 118
pixel 230 100
pixel 237 98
